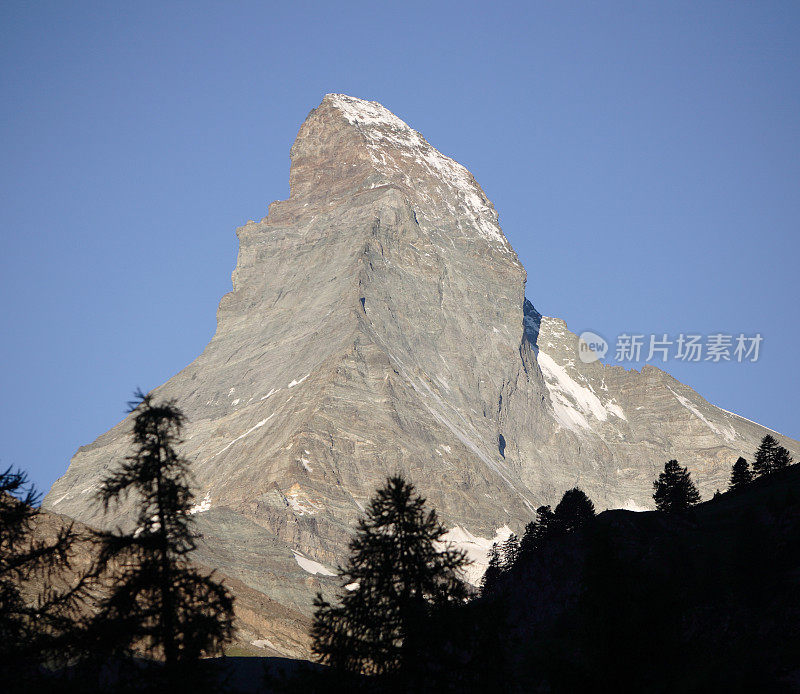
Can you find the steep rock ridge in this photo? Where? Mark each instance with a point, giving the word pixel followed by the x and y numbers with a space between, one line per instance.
pixel 615 428
pixel 378 323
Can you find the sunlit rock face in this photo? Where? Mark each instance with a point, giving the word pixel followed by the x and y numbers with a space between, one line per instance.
pixel 378 323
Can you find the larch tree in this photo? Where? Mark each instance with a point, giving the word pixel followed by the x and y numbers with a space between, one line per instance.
pixel 157 602
pixel 40 617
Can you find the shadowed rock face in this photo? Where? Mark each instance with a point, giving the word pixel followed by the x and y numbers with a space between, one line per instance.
pixel 263 626
pixel 378 323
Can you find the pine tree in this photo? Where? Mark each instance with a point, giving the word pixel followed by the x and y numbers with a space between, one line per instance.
pixel 537 531
pixel 782 459
pixel 39 622
pixel 764 462
pixel 395 577
pixel 509 550
pixel 674 489
pixel 502 557
pixel 741 476
pixel 157 602
pixel 493 570
pixel 574 510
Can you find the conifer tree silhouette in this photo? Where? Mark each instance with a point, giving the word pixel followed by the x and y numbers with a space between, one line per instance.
pixel 502 557
pixel 782 459
pixel 764 460
pixel 157 603
pixel 395 577
pixel 493 570
pixel 537 531
pixel 741 475
pixel 41 628
pixel 674 489
pixel 574 510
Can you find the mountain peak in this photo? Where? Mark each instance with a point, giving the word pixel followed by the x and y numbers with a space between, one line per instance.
pixel 365 113
pixel 378 149
pixel 378 323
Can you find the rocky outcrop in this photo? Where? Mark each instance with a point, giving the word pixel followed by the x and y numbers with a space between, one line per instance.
pixel 378 323
pixel 263 627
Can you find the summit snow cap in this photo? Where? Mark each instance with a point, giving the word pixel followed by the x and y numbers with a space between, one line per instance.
pixel 387 136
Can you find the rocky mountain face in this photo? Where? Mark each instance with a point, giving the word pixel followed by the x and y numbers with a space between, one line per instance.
pixel 263 626
pixel 378 323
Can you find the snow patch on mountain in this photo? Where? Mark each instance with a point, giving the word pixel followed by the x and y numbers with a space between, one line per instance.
pixel 728 432
pixel 311 566
pixel 300 502
pixel 240 437
pixel 381 127
pixel 631 505
pixel 475 547
pixel 572 401
pixel 738 416
pixel 203 506
pixel 263 643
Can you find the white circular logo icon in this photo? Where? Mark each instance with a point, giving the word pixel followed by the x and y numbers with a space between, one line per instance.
pixel 591 347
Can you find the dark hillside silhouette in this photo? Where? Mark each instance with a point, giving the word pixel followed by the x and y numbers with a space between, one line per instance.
pixel 717 590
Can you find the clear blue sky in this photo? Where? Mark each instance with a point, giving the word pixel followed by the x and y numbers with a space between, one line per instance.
pixel 644 159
